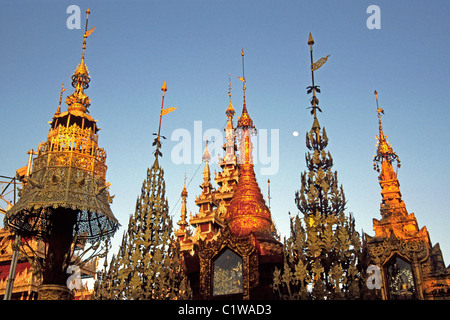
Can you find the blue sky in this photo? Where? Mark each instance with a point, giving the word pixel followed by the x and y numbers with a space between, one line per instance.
pixel 194 45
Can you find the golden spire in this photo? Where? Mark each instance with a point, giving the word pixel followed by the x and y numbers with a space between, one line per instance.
pixel 390 186
pixel 248 212
pixel 230 111
pixel 58 111
pixel 81 68
pixel 229 130
pixel 244 120
pixel 243 75
pixel 183 233
pixel 78 101
pixel 184 195
pixel 86 34
pixel 206 171
pixel 385 153
pixel 245 126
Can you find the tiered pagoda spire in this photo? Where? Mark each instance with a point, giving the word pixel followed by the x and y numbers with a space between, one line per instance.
pixel 239 260
pixel 248 212
pixel 230 143
pixel 413 268
pixel 207 222
pixel 227 178
pixel 391 195
pixel 183 233
pixel 395 217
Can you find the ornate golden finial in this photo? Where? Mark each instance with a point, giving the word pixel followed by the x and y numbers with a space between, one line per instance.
pixel 184 192
pixel 157 140
pixel 229 130
pixel 58 111
pixel 379 112
pixel 245 127
pixel 206 171
pixel 181 233
pixel 230 111
pixel 248 212
pixel 80 78
pixel 184 195
pixel 206 156
pixel 243 75
pixel 85 33
pixel 384 149
pixel 390 187
pixel 244 120
pixel 163 89
pixel 313 88
pixel 82 67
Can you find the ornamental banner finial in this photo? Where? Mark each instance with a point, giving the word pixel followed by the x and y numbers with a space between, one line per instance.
pixel 314 88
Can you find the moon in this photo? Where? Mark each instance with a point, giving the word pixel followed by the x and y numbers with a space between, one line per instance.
pixel 295 133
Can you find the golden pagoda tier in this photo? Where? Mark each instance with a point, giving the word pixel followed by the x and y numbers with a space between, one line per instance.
pixel 213 202
pixel 411 267
pixel 207 223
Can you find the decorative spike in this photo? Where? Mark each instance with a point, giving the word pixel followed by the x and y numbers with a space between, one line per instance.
pixel 310 39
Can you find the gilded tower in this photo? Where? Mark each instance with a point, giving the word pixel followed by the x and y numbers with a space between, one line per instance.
pixel 66 197
pixel 248 212
pixel 409 266
pixel 213 202
pixel 237 259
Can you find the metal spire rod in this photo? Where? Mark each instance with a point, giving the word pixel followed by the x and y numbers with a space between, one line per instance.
pixel 157 140
pixel 311 42
pixel 163 89
pixel 379 111
pixel 243 74
pixel 229 86
pixel 85 33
